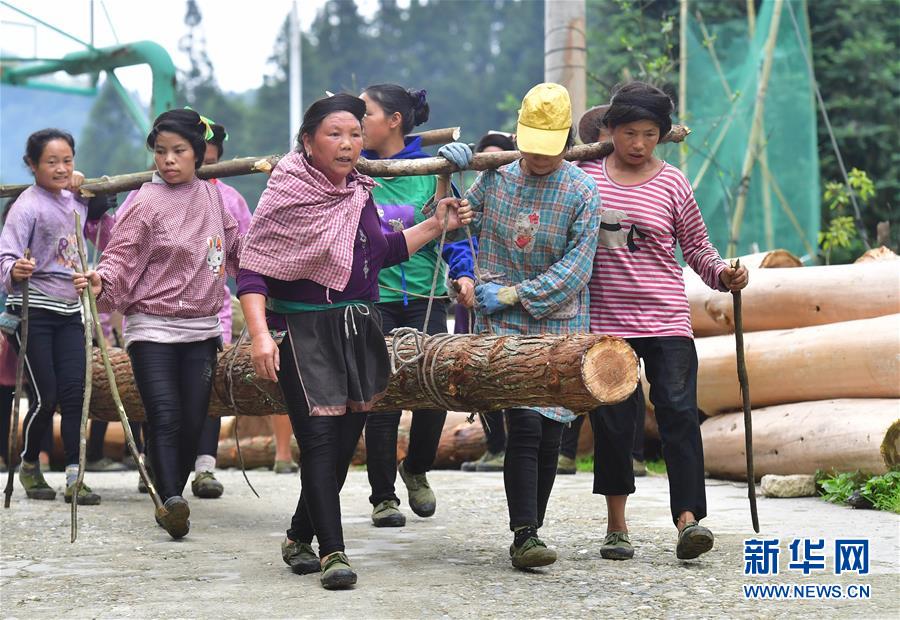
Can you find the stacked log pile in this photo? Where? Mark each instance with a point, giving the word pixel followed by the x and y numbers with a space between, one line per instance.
pixel 822 346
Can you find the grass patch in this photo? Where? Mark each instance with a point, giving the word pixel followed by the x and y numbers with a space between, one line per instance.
pixel 861 490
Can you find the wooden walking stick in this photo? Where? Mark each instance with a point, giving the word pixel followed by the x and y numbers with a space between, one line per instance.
pixel 88 387
pixel 111 376
pixel 745 398
pixel 13 443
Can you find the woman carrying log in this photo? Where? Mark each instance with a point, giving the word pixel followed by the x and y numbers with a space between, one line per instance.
pixel 537 227
pixel 164 269
pixel 313 254
pixel 42 220
pixel 637 292
pixel 391 113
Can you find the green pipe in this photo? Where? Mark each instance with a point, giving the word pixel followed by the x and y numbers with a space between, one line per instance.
pixel 67 90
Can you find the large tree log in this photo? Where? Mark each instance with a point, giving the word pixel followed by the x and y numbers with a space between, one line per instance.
pixel 378 168
pixel 698 293
pixel 880 253
pixel 853 359
pixel 786 298
pixel 845 435
pixel 462 373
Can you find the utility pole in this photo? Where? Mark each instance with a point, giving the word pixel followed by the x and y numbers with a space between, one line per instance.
pixel 565 50
pixel 295 85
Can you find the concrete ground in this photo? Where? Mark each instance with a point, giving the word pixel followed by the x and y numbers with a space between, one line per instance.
pixel 453 565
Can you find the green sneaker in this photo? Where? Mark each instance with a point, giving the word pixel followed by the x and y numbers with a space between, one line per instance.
pixel 105 464
pixel 32 479
pixel 693 541
pixel 565 465
pixel 617 546
pixel 286 467
pixel 174 517
pixel 531 554
pixel 336 572
pixel 206 486
pixel 489 461
pixel 638 467
pixel 300 557
pixel 86 497
pixel 421 497
pixel 387 514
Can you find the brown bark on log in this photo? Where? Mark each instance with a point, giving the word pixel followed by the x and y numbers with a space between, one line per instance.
pixel 380 168
pixel 877 254
pixel 786 298
pixel 853 359
pixel 471 373
pixel 844 435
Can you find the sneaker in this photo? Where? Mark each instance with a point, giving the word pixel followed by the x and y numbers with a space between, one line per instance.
pixel 142 488
pixel 616 546
pixel 387 514
pixel 105 464
pixel 693 541
pixel 3 468
pixel 86 497
pixel 206 486
pixel 489 461
pixel 129 462
pixel 640 470
pixel 286 467
pixel 421 497
pixel 531 554
pixel 174 517
pixel 32 479
pixel 336 572
pixel 45 467
pixel 300 557
pixel 565 465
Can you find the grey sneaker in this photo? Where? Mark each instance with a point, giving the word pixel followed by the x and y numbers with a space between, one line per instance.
pixel 489 461
pixel 617 546
pixel 206 486
pixel 387 514
pixel 105 464
pixel 421 497
pixel 693 541
pixel 300 557
pixel 565 465
pixel 174 517
pixel 638 467
pixel 32 479
pixel 86 497
pixel 286 467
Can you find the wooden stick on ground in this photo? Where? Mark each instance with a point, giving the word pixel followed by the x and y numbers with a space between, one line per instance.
pixel 111 377
pixel 745 397
pixel 13 445
pixel 378 168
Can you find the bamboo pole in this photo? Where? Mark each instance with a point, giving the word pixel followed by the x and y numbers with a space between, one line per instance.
pixel 755 129
pixel 378 168
pixel 433 137
pixel 13 445
pixel 682 77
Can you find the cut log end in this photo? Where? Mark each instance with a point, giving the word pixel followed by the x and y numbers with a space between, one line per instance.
pixel 890 447
pixel 610 370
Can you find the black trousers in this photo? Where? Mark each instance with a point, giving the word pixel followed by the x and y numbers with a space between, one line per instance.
pixel 174 381
pixel 209 437
pixel 671 369
pixel 381 428
pixel 97 435
pixel 54 363
pixel 6 401
pixel 327 444
pixel 529 469
pixel 569 444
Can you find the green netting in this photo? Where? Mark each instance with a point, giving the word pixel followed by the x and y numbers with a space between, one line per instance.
pixel 789 136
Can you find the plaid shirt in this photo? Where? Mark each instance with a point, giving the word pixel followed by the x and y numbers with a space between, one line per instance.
pixel 540 235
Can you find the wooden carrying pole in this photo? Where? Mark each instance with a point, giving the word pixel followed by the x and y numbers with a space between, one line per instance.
pixel 13 444
pixel 433 137
pixel 378 168
pixel 458 372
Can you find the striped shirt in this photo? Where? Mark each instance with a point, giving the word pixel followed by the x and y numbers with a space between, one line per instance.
pixel 637 287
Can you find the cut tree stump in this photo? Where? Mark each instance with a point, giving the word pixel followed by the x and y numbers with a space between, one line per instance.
pixel 843 434
pixel 464 372
pixel 851 359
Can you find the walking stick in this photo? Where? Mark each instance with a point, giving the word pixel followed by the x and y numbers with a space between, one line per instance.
pixel 745 399
pixel 12 446
pixel 111 377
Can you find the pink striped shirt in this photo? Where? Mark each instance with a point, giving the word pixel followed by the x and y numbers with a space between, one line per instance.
pixel 169 252
pixel 637 287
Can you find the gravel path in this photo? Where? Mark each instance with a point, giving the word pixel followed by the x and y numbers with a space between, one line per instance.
pixel 454 564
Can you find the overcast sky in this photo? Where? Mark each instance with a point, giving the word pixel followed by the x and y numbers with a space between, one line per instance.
pixel 239 34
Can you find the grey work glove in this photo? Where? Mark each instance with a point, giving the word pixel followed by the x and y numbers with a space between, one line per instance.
pixel 457 153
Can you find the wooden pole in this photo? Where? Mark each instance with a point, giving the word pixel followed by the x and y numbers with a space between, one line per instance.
pixel 88 385
pixel 682 77
pixel 754 140
pixel 13 445
pixel 565 50
pixel 377 168
pixel 433 137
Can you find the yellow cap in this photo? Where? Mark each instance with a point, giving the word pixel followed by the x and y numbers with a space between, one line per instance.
pixel 544 120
